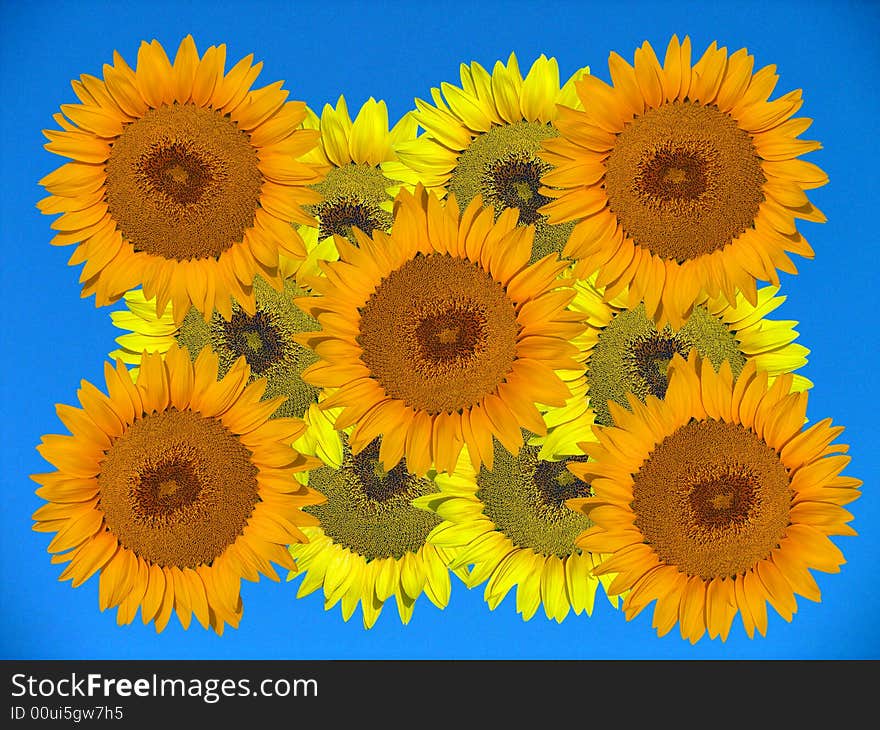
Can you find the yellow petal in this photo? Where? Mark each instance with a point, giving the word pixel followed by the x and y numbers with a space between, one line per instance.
pixel 185 63
pixel 153 74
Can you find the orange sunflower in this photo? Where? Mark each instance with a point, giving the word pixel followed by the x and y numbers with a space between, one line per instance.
pixel 682 178
pixel 715 500
pixel 183 179
pixel 173 488
pixel 441 334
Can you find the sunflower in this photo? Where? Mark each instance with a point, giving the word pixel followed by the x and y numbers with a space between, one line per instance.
pixel 173 488
pixel 182 180
pixel 482 139
pixel 371 544
pixel 715 500
pixel 509 526
pixel 264 336
pixel 355 192
pixel 682 178
pixel 441 334
pixel 627 353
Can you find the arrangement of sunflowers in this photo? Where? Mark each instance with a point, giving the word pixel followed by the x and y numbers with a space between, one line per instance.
pixel 517 336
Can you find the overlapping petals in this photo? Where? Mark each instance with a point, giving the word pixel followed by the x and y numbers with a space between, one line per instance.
pixel 424 225
pixel 599 241
pixel 776 416
pixel 128 581
pixel 77 189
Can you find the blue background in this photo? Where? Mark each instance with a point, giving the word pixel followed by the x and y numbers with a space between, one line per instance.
pixel 51 338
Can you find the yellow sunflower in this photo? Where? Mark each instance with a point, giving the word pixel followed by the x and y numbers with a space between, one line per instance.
pixel 440 334
pixel 508 525
pixel 183 179
pixel 173 488
pixel 482 138
pixel 627 353
pixel 716 500
pixel 371 544
pixel 264 336
pixel 682 179
pixel 355 191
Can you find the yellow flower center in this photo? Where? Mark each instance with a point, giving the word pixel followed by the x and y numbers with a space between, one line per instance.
pixel 369 510
pixel 253 340
pixel 353 198
pixel 524 191
pixel 256 337
pixel 512 181
pixel 503 167
pixel 265 339
pixel 524 496
pixel 632 356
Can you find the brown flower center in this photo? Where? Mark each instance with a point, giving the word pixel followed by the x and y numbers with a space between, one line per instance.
pixel 451 335
pixel 183 182
pixel 180 172
pixel 724 501
pixel 167 487
pixel 675 173
pixel 438 333
pixel 712 499
pixel 684 180
pixel 177 488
